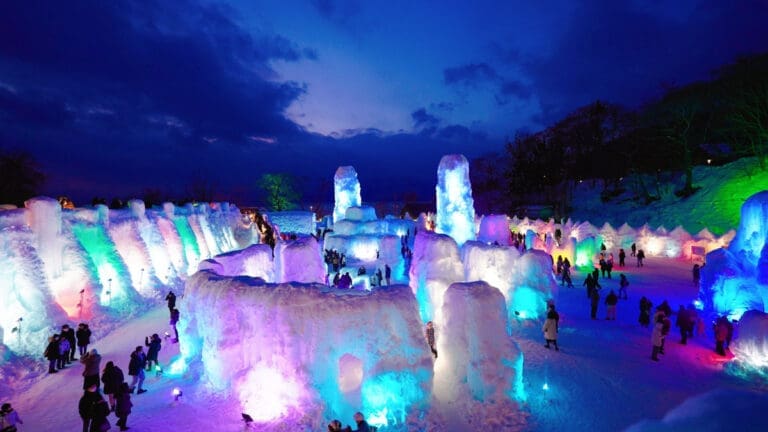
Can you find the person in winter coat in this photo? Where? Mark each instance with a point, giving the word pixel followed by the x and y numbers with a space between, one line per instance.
pixel 52 353
pixel 610 302
pixel 696 274
pixel 362 425
pixel 622 257
pixel 550 329
pixel 68 333
pixel 63 359
pixel 136 368
pixel 591 283
pixel 124 404
pixel 640 257
pixel 171 299
pixel 154 348
pixel 335 426
pixel 666 325
pixel 429 333
pixel 9 419
pixel 173 322
pixel 595 300
pixel 657 337
pixel 83 334
pixel 683 322
pixel 92 362
pixel 721 335
pixel 567 277
pixel 112 377
pixel 645 312
pixel 623 284
pixel 93 410
pixel 634 249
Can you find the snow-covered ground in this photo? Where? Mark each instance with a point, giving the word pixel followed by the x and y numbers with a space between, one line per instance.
pixel 602 379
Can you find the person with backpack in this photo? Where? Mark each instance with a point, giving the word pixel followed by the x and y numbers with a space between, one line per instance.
pixel 112 377
pixel 136 368
pixel 93 410
pixel 124 405
pixel 9 418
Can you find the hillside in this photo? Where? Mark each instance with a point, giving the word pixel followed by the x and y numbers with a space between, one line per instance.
pixel 716 206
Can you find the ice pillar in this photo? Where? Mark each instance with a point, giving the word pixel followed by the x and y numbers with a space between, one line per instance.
pixel 455 206
pixel 346 191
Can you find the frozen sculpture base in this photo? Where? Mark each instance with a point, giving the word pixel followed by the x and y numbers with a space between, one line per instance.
pixel 325 353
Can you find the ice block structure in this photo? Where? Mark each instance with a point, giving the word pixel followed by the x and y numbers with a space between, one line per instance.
pixel 455 206
pixel 320 353
pixel 751 347
pixel 735 279
pixel 293 222
pixel 436 265
pixel 526 280
pixel 84 264
pixel 476 358
pixel 495 229
pixel 346 191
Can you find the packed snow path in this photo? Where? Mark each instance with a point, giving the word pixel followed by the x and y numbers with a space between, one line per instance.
pixel 602 379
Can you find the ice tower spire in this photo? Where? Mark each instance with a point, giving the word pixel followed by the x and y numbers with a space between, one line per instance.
pixel 346 191
pixel 455 206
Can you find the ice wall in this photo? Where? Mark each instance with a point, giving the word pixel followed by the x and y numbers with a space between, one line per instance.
pixel 455 206
pixel 346 191
pixel 254 261
pixel 294 222
pixel 321 353
pixel 84 264
pixel 478 366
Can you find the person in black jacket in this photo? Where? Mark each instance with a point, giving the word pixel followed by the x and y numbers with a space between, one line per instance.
pixel 154 348
pixel 93 410
pixel 52 353
pixel 171 299
pixel 362 425
pixel 83 334
pixel 173 322
pixel 112 377
pixel 68 333
pixel 124 405
pixel 136 368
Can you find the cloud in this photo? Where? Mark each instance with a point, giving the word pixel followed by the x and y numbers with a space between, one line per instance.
pixel 421 118
pixel 470 74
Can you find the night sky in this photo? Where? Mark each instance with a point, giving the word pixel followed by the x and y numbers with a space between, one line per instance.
pixel 114 97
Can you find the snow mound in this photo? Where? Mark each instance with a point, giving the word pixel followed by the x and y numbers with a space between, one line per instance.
pixel 718 410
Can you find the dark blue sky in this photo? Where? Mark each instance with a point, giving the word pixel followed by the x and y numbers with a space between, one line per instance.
pixel 116 97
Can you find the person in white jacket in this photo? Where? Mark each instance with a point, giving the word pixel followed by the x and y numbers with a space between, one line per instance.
pixel 550 328
pixel 657 337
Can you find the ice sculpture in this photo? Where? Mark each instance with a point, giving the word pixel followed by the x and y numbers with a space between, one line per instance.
pixel 321 353
pixel 735 279
pixel 346 191
pixel 751 347
pixel 526 280
pixel 254 261
pixel 475 356
pixel 435 266
pixel 455 206
pixel 299 261
pixel 294 222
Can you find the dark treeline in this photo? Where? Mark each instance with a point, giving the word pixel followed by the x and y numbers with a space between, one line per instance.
pixel 621 150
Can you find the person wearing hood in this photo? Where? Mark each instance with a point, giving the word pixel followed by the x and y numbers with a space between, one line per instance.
pixel 92 362
pixel 93 410
pixel 112 377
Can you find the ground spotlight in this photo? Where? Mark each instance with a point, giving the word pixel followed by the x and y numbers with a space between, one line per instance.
pixel 177 393
pixel 545 386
